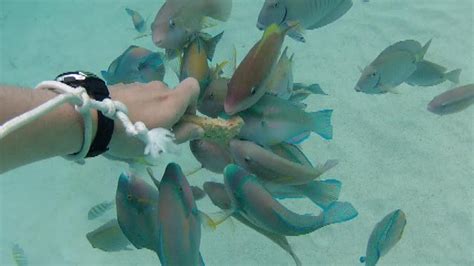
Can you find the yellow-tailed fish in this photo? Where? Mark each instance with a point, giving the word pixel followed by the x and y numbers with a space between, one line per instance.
pixel 109 237
pixel 247 85
pixel 219 197
pixel 312 14
pixel 178 20
pixel 384 237
pixel 137 19
pixel 430 74
pixel 452 101
pixel 99 209
pixel 195 59
pixel 392 67
pixel 257 205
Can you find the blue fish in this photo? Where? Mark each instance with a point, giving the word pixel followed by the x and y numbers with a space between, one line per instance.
pixel 385 235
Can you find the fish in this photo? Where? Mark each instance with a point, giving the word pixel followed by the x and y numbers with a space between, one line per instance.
pixel 178 20
pixel 137 19
pixel 179 233
pixel 198 193
pixel 430 74
pixel 219 197
pixel 212 102
pixel 452 101
pixel 195 59
pixel 273 168
pixel 302 91
pixel 19 255
pixel 280 82
pixel 392 67
pixel 311 14
pixel 273 120
pixel 291 152
pixel 137 210
pixel 212 156
pixel 246 86
pixel 384 237
pixel 99 209
pixel 109 237
pixel 256 204
pixel 136 64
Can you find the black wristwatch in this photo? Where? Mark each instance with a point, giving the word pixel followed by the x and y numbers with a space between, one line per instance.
pixel 97 89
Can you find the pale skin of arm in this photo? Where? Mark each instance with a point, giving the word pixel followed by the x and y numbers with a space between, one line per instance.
pixel 61 131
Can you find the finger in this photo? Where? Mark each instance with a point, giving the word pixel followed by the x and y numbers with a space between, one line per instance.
pixel 181 100
pixel 185 131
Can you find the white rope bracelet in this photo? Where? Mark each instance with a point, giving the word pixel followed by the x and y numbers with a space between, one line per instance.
pixel 157 141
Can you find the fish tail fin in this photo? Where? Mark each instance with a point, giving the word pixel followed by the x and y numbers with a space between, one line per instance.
pixel 453 76
pixel 129 11
pixel 316 89
pixel 424 50
pixel 218 9
pixel 322 123
pixel 105 75
pixel 323 193
pixel 211 221
pixel 339 212
pixel 211 45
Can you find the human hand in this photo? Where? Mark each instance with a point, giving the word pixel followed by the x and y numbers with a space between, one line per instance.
pixel 157 106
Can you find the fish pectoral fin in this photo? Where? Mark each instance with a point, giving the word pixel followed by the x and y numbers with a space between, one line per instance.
pixel 211 221
pixel 142 36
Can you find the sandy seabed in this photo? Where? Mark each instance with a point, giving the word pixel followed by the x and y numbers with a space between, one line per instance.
pixel 393 153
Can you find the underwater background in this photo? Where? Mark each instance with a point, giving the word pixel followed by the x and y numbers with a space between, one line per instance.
pixel 393 153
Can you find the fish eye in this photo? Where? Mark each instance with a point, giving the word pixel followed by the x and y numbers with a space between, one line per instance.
pixel 171 23
pixel 247 159
pixel 211 95
pixel 129 197
pixel 374 74
pixel 275 5
pixel 253 91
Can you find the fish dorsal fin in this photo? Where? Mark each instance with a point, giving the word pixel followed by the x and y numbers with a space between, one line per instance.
pixel 211 45
pixel 218 70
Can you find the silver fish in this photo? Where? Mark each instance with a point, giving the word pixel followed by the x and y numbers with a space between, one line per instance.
pixel 385 236
pixel 452 101
pixel 392 67
pixel 430 74
pixel 109 237
pixel 178 20
pixel 99 209
pixel 311 14
pixel 280 82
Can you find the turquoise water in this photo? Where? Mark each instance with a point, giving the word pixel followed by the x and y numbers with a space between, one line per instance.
pixel 393 153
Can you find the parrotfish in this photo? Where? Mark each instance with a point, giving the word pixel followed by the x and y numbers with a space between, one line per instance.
pixel 195 59
pixel 291 152
pixel 19 255
pixel 179 234
pixel 312 14
pixel 272 168
pixel 137 19
pixel 247 85
pixel 178 20
pixel 385 236
pixel 285 178
pixel 430 74
pixel 452 101
pixel 137 208
pixel 212 102
pixel 99 209
pixel 256 204
pixel 280 82
pixel 108 237
pixel 136 64
pixel 392 67
pixel 273 120
pixel 212 156
pixel 219 197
